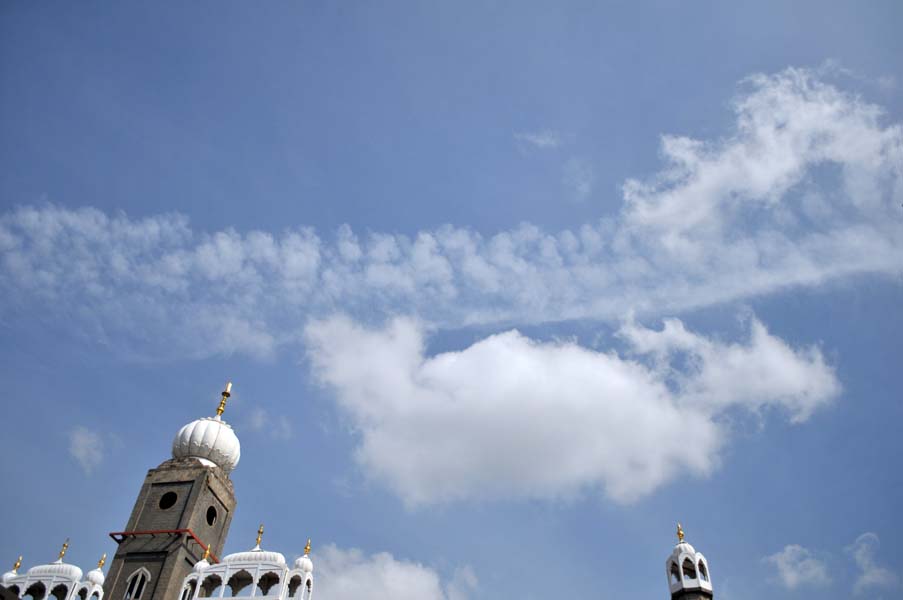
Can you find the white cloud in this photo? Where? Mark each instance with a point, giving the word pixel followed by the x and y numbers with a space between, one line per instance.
pixel 804 190
pixel 579 176
pixel 545 139
pixel 798 567
pixel 871 575
pixel 351 575
pixel 513 417
pixel 86 447
pixel 277 427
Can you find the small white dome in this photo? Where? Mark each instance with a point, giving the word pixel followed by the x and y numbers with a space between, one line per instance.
pixel 8 576
pixel 208 439
pixel 201 565
pixel 57 569
pixel 683 548
pixel 305 564
pixel 96 576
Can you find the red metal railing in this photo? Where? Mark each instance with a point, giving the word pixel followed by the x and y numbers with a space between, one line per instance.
pixel 125 534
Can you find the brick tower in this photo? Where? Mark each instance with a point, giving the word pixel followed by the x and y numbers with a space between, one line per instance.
pixel 184 505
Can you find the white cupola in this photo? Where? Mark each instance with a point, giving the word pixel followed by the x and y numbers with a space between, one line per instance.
pixel 210 440
pixel 55 581
pixel 252 574
pixel 687 571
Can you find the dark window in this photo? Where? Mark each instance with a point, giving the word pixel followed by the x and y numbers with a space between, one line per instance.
pixel 211 516
pixel 136 586
pixel 168 500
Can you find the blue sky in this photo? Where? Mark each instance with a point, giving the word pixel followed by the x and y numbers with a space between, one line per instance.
pixel 506 289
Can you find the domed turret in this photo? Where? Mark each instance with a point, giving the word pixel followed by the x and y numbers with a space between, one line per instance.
pixel 210 440
pixel 57 568
pixel 303 562
pixel 15 571
pixel 687 571
pixel 96 576
pixel 256 554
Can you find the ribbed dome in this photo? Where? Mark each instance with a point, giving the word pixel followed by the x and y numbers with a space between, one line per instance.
pixel 201 565
pixel 683 548
pixel 96 576
pixel 210 439
pixel 57 569
pixel 256 556
pixel 305 564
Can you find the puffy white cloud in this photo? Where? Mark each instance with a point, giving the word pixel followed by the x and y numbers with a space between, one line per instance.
pixel 805 189
pixel 797 567
pixel 513 417
pixel 871 575
pixel 86 447
pixel 351 575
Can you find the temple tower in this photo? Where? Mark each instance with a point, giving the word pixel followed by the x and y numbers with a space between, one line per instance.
pixel 184 507
pixel 688 572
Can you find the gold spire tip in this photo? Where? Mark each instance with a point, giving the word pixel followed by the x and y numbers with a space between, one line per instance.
pixel 18 564
pixel 63 551
pixel 206 552
pixel 102 561
pixel 222 403
pixel 680 533
pixel 259 534
pixel 307 547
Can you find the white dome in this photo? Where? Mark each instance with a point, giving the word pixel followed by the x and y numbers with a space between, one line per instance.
pixel 201 565
pixel 208 439
pixel 683 548
pixel 96 576
pixel 256 556
pixel 57 569
pixel 8 576
pixel 305 564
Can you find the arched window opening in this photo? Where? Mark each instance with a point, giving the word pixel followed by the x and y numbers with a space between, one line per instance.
pixel 95 596
pixel 14 589
pixel 60 592
pixel 36 591
pixel 137 582
pixel 266 582
pixel 703 572
pixel 83 593
pixel 689 569
pixel 211 585
pixel 188 591
pixel 238 582
pixel 310 588
pixel 675 573
pixel 293 584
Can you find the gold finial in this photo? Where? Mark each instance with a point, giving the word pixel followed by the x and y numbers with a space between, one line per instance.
pixel 18 564
pixel 680 533
pixel 222 403
pixel 206 552
pixel 63 551
pixel 307 547
pixel 259 534
pixel 102 561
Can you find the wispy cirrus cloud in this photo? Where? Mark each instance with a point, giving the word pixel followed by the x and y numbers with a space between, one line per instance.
pixel 514 417
pixel 871 574
pixel 805 189
pixel 545 139
pixel 87 448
